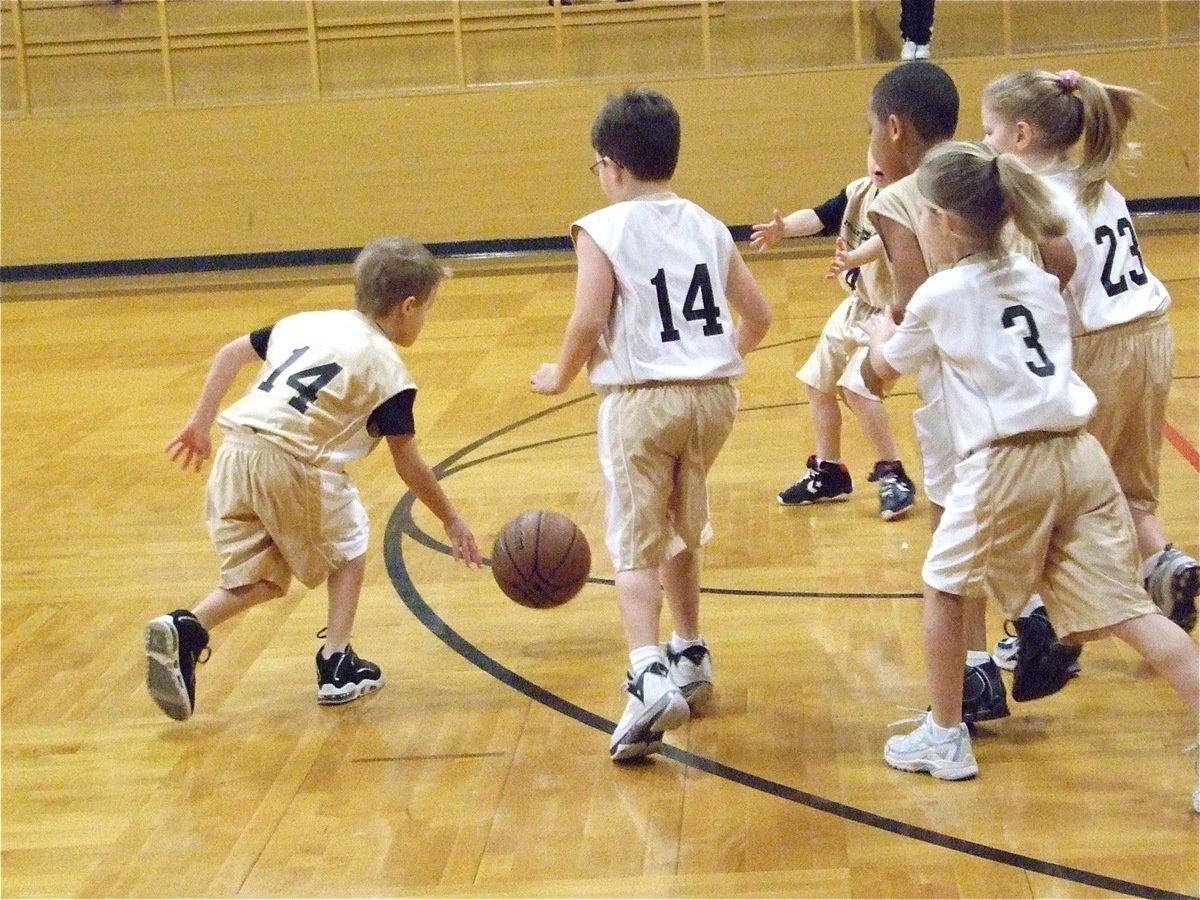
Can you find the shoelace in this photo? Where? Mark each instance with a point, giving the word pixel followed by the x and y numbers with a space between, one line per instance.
pixel 918 719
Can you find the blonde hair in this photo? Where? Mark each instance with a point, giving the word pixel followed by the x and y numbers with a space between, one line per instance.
pixel 1064 106
pixel 388 270
pixel 986 189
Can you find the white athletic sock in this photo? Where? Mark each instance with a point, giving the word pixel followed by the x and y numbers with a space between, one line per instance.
pixel 678 644
pixel 641 657
pixel 978 657
pixel 1035 600
pixel 940 734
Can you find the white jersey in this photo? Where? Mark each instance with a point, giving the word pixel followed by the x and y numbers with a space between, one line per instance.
pixel 323 376
pixel 1111 285
pixel 670 320
pixel 998 327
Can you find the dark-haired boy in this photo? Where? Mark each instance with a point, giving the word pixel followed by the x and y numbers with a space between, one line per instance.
pixel 658 282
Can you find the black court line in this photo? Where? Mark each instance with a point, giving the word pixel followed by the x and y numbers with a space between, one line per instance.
pixel 401 523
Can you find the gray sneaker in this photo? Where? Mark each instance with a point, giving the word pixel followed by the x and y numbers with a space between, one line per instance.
pixel 1173 586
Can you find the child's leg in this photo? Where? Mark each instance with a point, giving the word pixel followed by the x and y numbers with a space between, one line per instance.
pixel 681 583
pixel 225 603
pixel 639 598
pixel 827 424
pixel 344 586
pixel 1169 651
pixel 945 653
pixel 873 419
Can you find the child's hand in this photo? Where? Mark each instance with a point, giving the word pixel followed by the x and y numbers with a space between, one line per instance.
pixel 462 543
pixel 838 264
pixel 545 380
pixel 880 326
pixel 766 235
pixel 192 444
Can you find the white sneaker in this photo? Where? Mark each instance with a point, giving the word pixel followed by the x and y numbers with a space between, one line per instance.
pixel 1173 586
pixel 909 51
pixel 922 52
pixel 917 751
pixel 655 705
pixel 691 671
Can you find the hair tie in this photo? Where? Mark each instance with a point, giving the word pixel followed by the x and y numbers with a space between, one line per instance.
pixel 1068 80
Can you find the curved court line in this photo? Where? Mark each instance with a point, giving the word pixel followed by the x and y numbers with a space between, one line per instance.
pixel 401 523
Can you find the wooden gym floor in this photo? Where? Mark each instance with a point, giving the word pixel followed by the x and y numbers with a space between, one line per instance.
pixel 482 768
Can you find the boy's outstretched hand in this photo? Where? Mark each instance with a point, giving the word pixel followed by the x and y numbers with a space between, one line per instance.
pixel 838 264
pixel 766 235
pixel 462 543
pixel 190 448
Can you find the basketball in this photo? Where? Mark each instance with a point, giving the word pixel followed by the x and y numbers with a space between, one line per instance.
pixel 541 559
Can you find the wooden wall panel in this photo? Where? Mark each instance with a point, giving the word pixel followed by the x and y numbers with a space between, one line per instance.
pixel 494 163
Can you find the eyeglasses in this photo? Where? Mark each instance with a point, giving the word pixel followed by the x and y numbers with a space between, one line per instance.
pixel 594 168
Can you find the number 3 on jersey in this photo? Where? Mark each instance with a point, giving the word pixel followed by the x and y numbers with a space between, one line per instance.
pixel 706 310
pixel 307 383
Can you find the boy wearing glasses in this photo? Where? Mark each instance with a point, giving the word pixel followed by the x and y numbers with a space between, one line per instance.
pixel 659 280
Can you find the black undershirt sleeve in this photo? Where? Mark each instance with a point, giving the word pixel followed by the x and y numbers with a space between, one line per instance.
pixel 394 416
pixel 259 340
pixel 831 213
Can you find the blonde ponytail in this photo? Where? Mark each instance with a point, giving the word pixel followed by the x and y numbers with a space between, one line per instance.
pixel 985 189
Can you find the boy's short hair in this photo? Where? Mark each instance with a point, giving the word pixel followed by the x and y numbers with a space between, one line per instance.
pixel 921 93
pixel 639 129
pixel 390 269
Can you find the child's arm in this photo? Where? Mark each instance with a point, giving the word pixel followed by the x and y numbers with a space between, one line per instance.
pixel 843 258
pixel 801 223
pixel 904 256
pixel 419 478
pixel 193 442
pixel 594 287
pixel 877 373
pixel 749 302
pixel 1058 258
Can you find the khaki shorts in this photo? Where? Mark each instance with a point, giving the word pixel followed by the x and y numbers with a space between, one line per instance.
pixel 657 443
pixel 1129 369
pixel 1041 513
pixel 836 360
pixel 271 515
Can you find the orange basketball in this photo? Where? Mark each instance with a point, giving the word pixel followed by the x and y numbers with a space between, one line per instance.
pixel 541 559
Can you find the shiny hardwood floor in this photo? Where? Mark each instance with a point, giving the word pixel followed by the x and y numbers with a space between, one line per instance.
pixel 482 768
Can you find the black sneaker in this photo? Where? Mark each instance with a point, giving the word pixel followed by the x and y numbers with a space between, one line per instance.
pixel 1173 586
pixel 896 490
pixel 1044 666
pixel 984 697
pixel 174 643
pixel 829 481
pixel 344 677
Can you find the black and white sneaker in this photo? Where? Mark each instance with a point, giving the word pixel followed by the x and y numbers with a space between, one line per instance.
pixel 691 671
pixel 1173 586
pixel 827 481
pixel 897 493
pixel 655 705
pixel 345 677
pixel 174 643
pixel 984 697
pixel 1044 665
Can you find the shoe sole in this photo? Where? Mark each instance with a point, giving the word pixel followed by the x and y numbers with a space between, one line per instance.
pixel 697 694
pixel 351 693
pixel 890 515
pixel 164 680
pixel 644 738
pixel 1183 612
pixel 940 772
pixel 840 498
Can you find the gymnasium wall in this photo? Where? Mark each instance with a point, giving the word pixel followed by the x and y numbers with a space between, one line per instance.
pixel 261 160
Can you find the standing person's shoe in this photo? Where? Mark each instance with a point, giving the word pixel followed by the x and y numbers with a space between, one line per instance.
pixel 897 493
pixel 826 481
pixel 345 677
pixel 908 51
pixel 1173 586
pixel 921 51
pixel 1044 665
pixel 691 671
pixel 919 751
pixel 174 643
pixel 655 706
pixel 984 696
